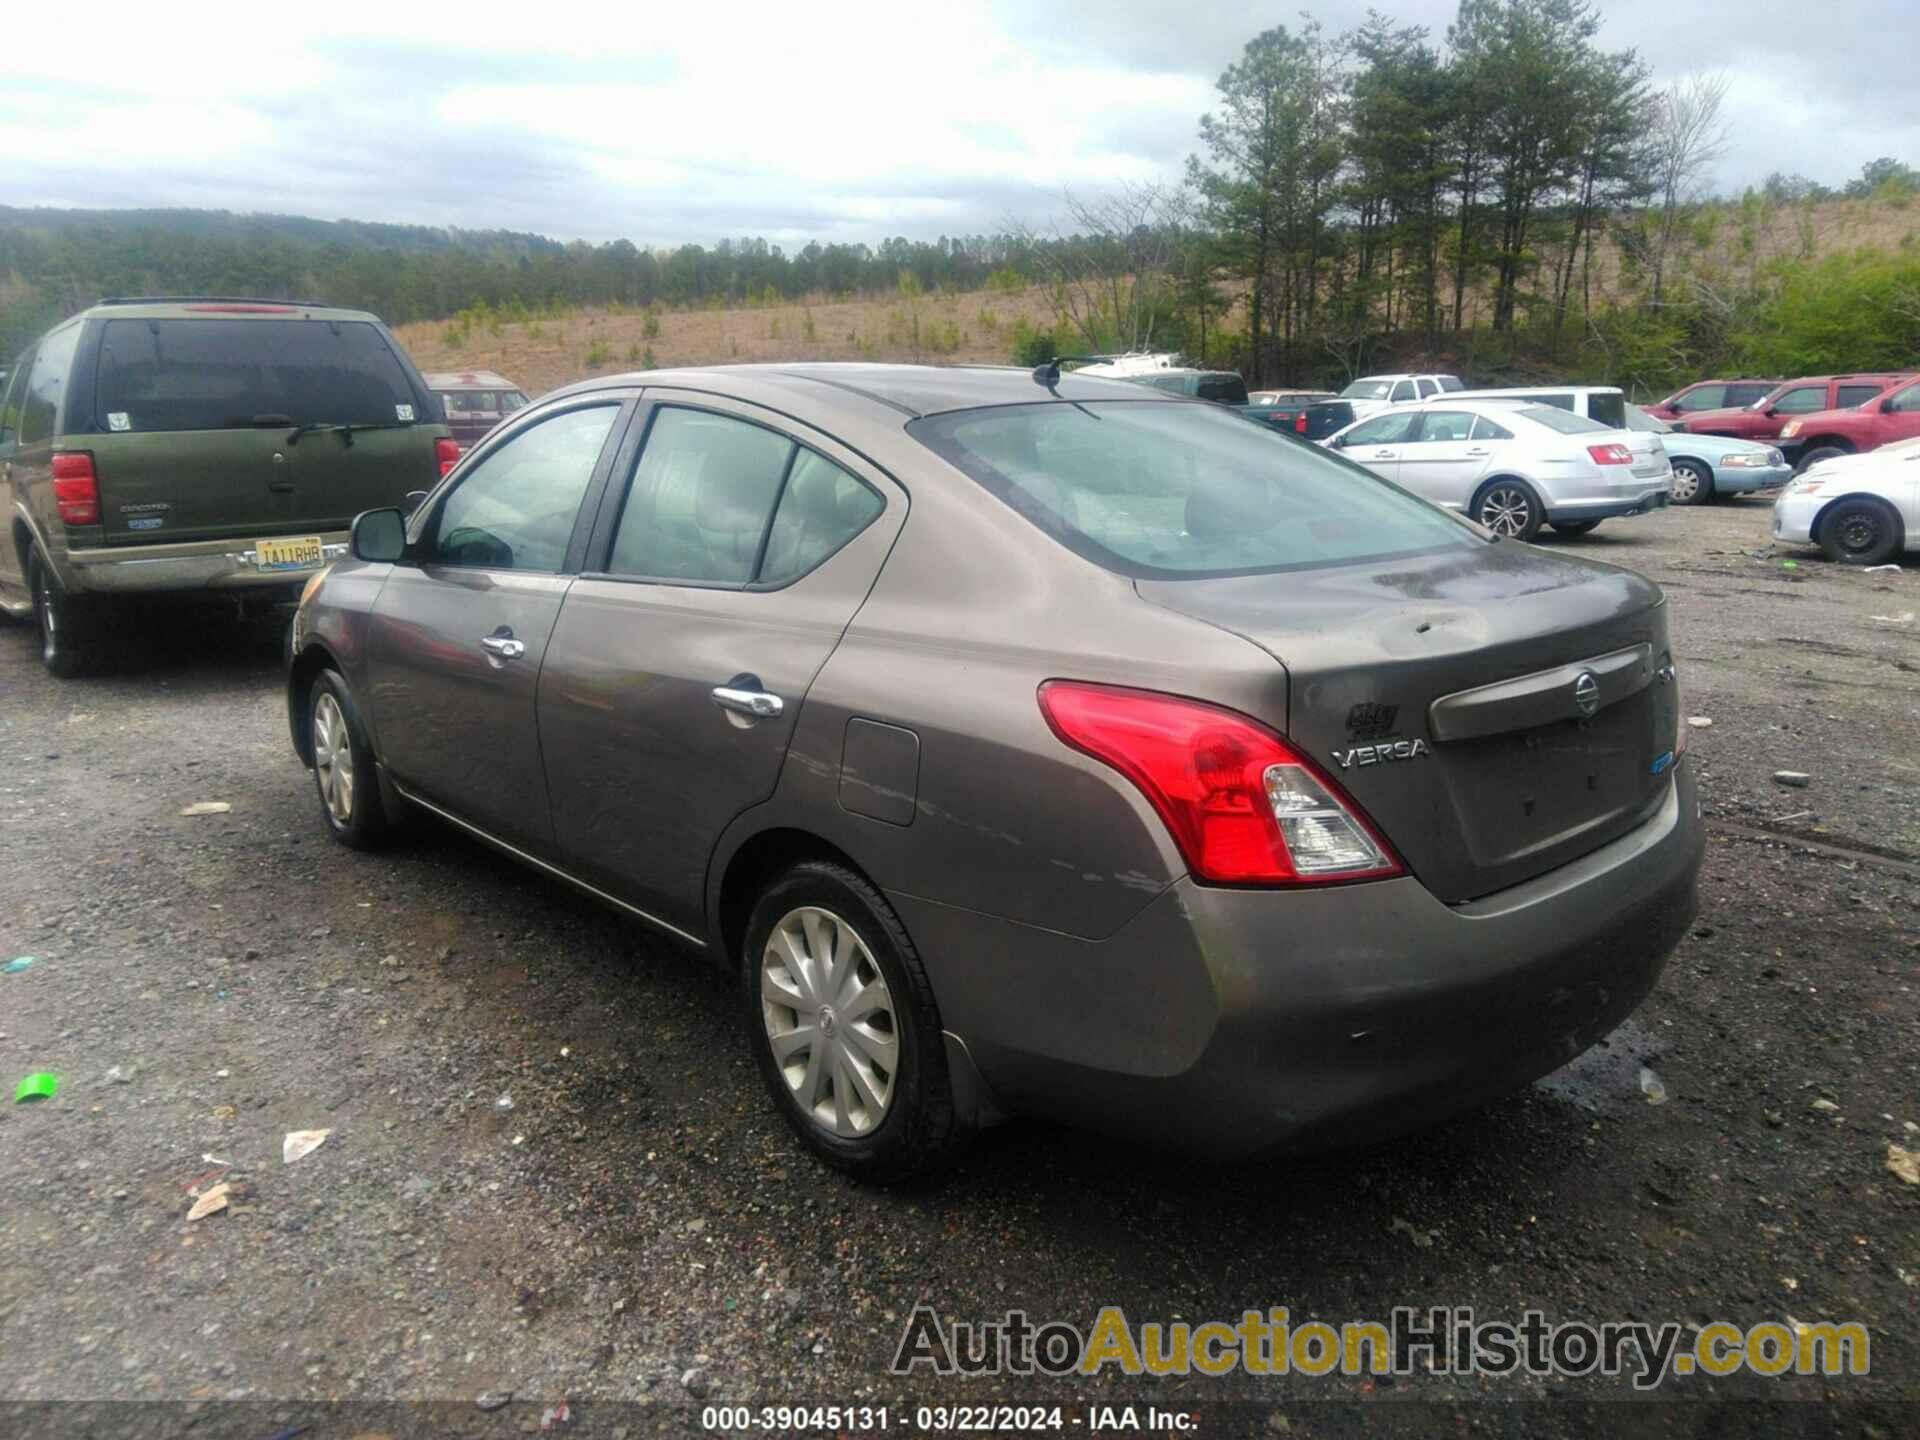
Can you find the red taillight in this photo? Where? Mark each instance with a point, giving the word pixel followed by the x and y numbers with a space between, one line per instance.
pixel 1300 423
pixel 1610 454
pixel 448 453
pixel 1244 806
pixel 76 490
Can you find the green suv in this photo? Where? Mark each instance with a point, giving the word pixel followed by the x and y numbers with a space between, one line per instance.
pixel 199 446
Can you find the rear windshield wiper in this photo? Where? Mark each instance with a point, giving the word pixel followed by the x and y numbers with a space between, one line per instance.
pixel 344 428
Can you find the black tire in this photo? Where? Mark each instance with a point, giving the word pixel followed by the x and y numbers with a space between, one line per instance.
pixel 358 819
pixel 1817 454
pixel 1692 482
pixel 1510 508
pixel 917 1130
pixel 1575 527
pixel 1861 531
pixel 69 629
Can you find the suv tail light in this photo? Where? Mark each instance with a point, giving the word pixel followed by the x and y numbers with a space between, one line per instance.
pixel 76 489
pixel 1300 423
pixel 447 452
pixel 1610 454
pixel 1243 805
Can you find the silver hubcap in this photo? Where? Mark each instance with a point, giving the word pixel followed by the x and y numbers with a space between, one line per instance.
pixel 1506 512
pixel 1686 483
pixel 333 758
pixel 830 1020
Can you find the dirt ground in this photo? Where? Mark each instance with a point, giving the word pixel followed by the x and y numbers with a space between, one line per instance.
pixel 552 1170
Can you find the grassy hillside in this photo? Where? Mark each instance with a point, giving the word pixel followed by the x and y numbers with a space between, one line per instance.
pixel 973 328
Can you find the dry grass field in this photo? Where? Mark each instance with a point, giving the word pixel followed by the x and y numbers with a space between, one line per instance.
pixel 975 328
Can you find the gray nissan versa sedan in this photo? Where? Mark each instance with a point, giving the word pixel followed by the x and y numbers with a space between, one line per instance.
pixel 1028 744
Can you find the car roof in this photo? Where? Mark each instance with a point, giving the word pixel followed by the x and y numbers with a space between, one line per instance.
pixel 224 307
pixel 467 380
pixel 1542 390
pixel 910 390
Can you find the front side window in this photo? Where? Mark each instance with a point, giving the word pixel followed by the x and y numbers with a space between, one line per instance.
pixel 1855 395
pixel 1182 491
pixel 1443 425
pixel 1383 429
pixel 40 405
pixel 235 374
pixel 516 509
pixel 1403 392
pixel 1743 394
pixel 512 400
pixel 1904 402
pixel 1704 397
pixel 1803 401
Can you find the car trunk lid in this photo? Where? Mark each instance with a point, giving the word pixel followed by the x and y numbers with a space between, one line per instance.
pixel 1496 715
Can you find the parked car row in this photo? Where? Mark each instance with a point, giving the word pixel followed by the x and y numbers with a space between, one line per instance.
pixel 1817 417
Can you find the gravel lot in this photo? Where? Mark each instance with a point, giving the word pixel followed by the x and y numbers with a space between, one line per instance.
pixel 552 1169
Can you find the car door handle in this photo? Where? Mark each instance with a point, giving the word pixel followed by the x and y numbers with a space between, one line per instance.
pixel 1478 453
pixel 1385 454
pixel 757 703
pixel 505 646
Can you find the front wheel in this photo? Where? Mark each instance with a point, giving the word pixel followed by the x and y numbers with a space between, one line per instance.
pixel 1692 483
pixel 1815 456
pixel 1575 527
pixel 343 766
pixel 844 1025
pixel 1859 532
pixel 69 629
pixel 1509 508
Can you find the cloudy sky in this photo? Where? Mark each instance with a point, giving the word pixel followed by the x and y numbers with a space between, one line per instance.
pixel 836 120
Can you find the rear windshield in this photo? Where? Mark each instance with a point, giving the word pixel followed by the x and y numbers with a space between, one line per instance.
pixel 1227 389
pixel 1183 491
pixel 1367 390
pixel 232 374
pixel 1565 421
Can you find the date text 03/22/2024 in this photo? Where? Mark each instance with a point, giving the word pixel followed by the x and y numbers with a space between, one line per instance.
pixel 955 1419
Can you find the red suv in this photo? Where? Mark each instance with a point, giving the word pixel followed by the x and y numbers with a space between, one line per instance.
pixel 1712 395
pixel 1894 415
pixel 1805 396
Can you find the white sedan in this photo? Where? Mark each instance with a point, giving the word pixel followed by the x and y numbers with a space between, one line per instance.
pixel 1511 466
pixel 1860 509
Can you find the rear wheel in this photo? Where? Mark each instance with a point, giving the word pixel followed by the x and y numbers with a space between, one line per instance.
pixel 343 768
pixel 69 628
pixel 1692 483
pixel 844 1025
pixel 1509 508
pixel 1860 532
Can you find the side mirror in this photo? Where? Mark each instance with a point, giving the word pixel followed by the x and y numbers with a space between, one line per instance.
pixel 379 535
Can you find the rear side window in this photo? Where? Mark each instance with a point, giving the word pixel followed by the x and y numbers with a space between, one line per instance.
pixel 15 398
pixel 1444 425
pixel 1485 429
pixel 1610 410
pixel 40 405
pixel 232 374
pixel 1852 395
pixel 1181 491
pixel 1427 388
pixel 1737 395
pixel 1451 383
pixel 721 501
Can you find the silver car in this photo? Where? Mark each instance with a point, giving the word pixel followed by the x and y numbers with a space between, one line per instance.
pixel 1027 744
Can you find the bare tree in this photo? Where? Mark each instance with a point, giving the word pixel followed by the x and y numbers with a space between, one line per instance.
pixel 1689 135
pixel 1109 261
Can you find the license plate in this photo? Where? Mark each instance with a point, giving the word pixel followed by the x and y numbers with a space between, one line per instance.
pixel 302 553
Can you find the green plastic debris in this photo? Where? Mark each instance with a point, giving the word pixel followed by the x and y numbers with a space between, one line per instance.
pixel 1789 564
pixel 14 967
pixel 41 1085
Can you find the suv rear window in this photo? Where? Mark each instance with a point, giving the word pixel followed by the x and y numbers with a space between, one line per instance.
pixel 225 374
pixel 1182 491
pixel 1228 389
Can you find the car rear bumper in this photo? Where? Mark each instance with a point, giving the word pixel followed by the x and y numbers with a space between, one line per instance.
pixel 1645 497
pixel 195 565
pixel 1230 1022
